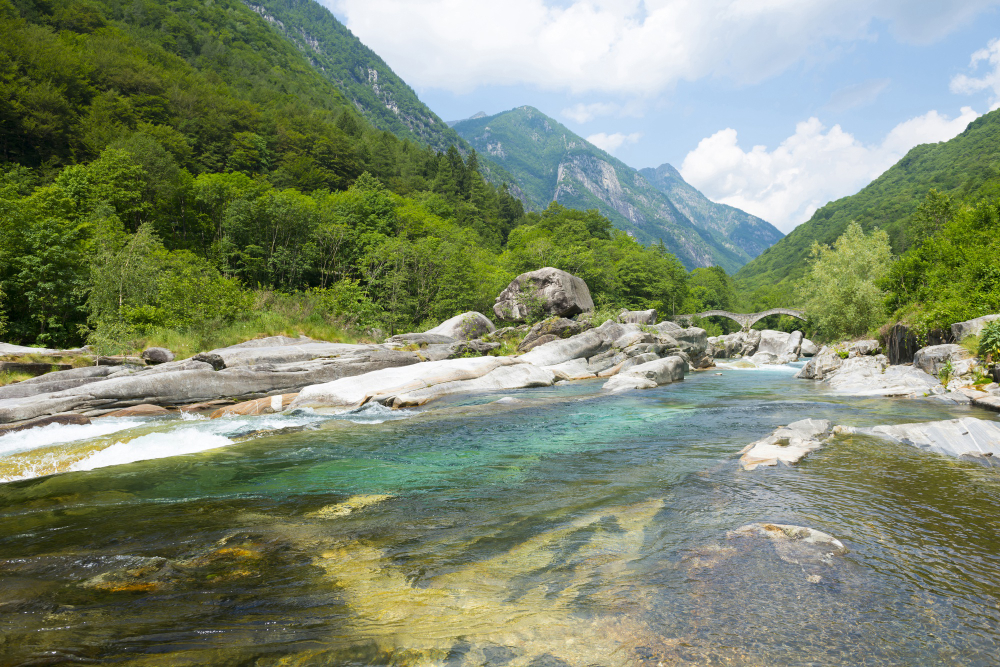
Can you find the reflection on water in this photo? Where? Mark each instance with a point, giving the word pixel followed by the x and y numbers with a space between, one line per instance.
pixel 553 527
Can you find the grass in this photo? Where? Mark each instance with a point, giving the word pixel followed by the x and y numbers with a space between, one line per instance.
pixel 10 377
pixel 971 343
pixel 74 360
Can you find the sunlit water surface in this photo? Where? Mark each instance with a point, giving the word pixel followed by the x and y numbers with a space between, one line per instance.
pixel 553 527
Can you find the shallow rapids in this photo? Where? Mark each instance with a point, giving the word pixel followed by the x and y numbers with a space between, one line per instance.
pixel 553 526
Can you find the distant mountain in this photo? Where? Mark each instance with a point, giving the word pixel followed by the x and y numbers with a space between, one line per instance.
pixel 357 71
pixel 551 163
pixel 749 234
pixel 966 167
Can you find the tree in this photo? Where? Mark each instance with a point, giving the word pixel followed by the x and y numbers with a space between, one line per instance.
pixel 844 297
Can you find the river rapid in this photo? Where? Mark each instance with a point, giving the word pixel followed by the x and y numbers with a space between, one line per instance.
pixel 546 527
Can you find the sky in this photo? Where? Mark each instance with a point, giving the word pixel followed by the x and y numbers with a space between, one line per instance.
pixel 774 106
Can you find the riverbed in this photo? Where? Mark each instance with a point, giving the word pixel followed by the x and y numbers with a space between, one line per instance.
pixel 547 527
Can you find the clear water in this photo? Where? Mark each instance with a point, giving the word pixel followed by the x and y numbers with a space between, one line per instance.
pixel 554 527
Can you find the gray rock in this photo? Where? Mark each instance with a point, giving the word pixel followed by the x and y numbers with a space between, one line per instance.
pixel 788 444
pixel 214 360
pixel 764 358
pixel 873 376
pixel 793 345
pixel 900 344
pixel 44 421
pixel 550 329
pixel 465 326
pixel 638 316
pixel 962 330
pixel 809 348
pixel 420 339
pixel 62 380
pixel 862 348
pixel 648 375
pixel 581 346
pixel 932 359
pixel 773 342
pixel 419 384
pixel 822 365
pixel 554 291
pixel 953 437
pixel 471 348
pixel 157 355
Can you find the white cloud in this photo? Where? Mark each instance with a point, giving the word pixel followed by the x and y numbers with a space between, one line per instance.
pixel 582 113
pixel 808 169
pixel 637 47
pixel 990 81
pixel 612 142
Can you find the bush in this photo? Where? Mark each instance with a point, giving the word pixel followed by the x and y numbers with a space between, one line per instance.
pixel 989 342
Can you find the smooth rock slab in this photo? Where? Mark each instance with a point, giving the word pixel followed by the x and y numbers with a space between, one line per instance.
pixel 648 375
pixel 967 436
pixel 788 444
pixel 418 384
pixel 466 326
pixel 873 376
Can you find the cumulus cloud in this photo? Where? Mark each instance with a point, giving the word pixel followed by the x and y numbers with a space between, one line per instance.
pixel 815 165
pixel 637 47
pixel 612 142
pixel 990 81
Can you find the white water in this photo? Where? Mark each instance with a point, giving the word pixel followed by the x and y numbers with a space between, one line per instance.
pixel 58 434
pixel 153 446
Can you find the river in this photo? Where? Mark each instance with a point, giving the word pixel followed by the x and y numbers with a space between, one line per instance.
pixel 545 527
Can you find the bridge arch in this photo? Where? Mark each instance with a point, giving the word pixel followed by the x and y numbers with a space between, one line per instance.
pixel 747 320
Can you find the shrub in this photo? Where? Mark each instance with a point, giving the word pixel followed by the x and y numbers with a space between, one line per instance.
pixel 989 342
pixel 945 373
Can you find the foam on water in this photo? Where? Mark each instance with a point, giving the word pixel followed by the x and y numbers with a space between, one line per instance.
pixel 56 434
pixel 375 413
pixel 153 446
pixel 747 365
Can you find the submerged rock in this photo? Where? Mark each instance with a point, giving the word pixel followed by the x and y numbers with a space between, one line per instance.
pixel 788 444
pixel 968 436
pixel 799 545
pixel 552 290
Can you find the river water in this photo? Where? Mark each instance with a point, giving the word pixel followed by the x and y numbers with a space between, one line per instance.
pixel 550 527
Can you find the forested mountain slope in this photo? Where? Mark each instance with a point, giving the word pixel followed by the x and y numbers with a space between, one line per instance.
pixel 966 168
pixel 177 171
pixel 752 235
pixel 551 163
pixel 357 71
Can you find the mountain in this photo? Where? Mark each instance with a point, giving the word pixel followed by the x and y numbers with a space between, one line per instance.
pixel 750 234
pixel 966 168
pixel 551 163
pixel 356 71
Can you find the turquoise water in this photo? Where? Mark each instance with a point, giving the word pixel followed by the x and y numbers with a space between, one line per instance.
pixel 558 526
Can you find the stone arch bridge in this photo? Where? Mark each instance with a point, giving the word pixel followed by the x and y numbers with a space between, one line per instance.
pixel 747 320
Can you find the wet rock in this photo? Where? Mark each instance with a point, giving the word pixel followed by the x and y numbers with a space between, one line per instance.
pixel 553 291
pixel 932 359
pixel 44 421
pixel 962 330
pixel 952 437
pixel 788 444
pixel 465 326
pixel 157 355
pixel 638 316
pixel 143 410
pixel 260 406
pixel 648 375
pixel 798 545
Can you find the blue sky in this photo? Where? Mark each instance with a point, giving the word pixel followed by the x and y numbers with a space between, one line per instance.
pixel 774 106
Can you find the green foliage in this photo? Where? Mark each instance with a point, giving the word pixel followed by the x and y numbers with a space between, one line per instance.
pixel 945 373
pixel 989 342
pixel 953 275
pixel 844 297
pixel 963 169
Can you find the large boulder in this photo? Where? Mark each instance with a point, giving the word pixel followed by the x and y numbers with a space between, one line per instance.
pixel 873 376
pixel 466 326
pixel 157 355
pixel 553 291
pixel 739 344
pixel 551 329
pixel 900 344
pixel 774 342
pixel 821 365
pixel 862 348
pixel 932 359
pixel 638 316
pixel 961 330
pixel 966 437
pixel 808 348
pixel 648 375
